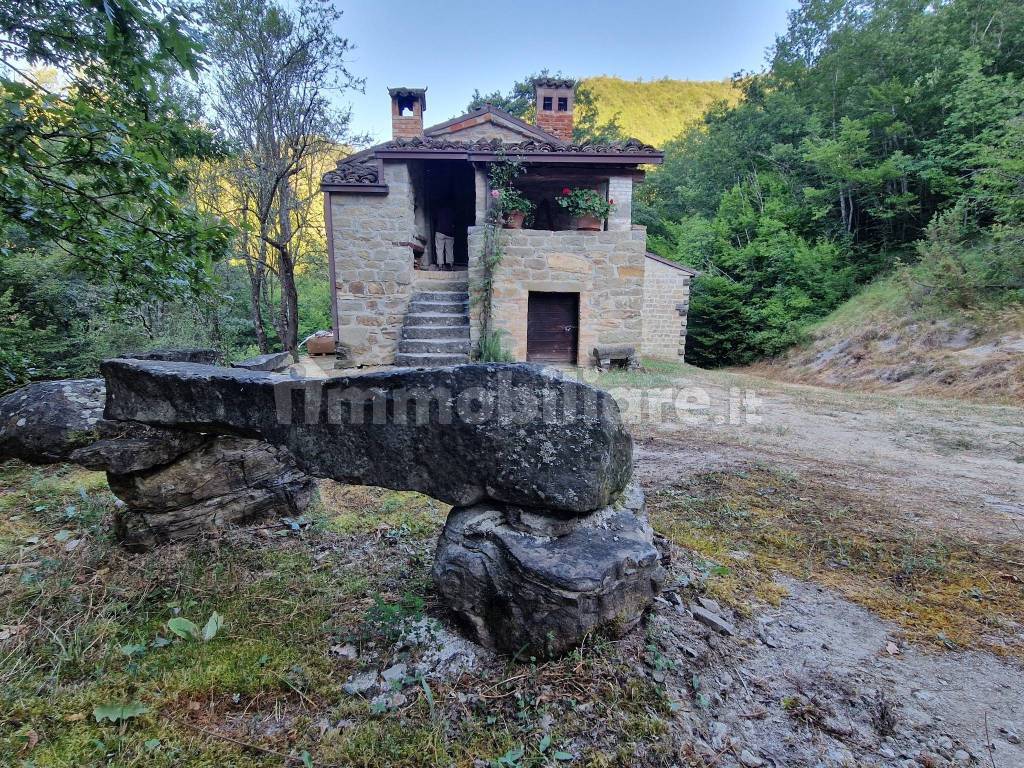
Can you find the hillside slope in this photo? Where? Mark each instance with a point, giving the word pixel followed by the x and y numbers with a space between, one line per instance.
pixel 657 110
pixel 877 341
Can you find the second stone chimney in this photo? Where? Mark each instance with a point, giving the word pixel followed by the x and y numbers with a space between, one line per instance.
pixel 556 97
pixel 407 108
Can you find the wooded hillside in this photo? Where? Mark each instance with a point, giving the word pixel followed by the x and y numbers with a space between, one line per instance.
pixel 656 110
pixel 885 135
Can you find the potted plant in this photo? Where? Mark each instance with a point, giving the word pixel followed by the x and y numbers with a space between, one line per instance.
pixel 515 207
pixel 587 206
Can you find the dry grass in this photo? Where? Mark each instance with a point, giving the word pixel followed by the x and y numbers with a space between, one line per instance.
pixel 942 589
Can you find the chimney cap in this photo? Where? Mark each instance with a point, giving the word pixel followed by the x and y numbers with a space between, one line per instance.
pixel 554 82
pixel 403 92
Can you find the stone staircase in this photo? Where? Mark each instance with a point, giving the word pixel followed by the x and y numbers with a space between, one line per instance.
pixel 436 327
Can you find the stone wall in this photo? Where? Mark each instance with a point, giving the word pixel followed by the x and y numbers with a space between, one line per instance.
pixel 620 189
pixel 374 267
pixel 605 268
pixel 666 302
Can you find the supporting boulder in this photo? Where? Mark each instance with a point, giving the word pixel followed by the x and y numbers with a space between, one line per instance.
pixel 226 481
pixel 528 583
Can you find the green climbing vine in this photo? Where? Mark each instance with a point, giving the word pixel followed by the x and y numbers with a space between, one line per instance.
pixel 490 346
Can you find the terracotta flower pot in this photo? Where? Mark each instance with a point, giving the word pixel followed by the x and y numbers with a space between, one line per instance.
pixel 514 220
pixel 588 223
pixel 320 345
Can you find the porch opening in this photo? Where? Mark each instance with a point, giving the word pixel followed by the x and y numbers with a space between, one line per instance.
pixel 445 210
pixel 542 185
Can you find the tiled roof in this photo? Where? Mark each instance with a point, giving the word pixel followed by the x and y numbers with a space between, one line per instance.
pixel 363 168
pixel 554 82
pixel 527 147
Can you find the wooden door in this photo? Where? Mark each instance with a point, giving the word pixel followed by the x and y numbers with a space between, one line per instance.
pixel 552 327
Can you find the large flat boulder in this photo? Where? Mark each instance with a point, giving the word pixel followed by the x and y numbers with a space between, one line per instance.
pixel 465 434
pixel 526 584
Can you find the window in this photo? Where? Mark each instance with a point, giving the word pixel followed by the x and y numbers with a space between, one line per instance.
pixel 563 103
pixel 547 104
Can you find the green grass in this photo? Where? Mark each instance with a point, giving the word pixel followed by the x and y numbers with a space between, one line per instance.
pixel 92 629
pixel 884 299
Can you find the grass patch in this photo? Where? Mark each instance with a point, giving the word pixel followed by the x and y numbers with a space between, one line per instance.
pixel 88 626
pixel 942 589
pixel 362 510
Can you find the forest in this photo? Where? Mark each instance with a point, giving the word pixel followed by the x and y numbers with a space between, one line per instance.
pixel 885 138
pixel 161 166
pixel 161 178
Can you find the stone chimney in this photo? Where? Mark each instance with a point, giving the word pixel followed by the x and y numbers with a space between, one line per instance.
pixel 556 97
pixel 407 108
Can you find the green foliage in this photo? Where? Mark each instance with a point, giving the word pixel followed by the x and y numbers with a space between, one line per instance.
pixel 657 110
pixel 851 155
pixel 583 201
pixel 490 348
pixel 188 630
pixel 502 175
pixel 117 713
pixel 514 201
pixel 92 168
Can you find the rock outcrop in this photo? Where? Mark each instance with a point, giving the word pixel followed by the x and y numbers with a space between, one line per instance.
pixel 465 434
pixel 531 585
pixel 547 541
pixel 176 484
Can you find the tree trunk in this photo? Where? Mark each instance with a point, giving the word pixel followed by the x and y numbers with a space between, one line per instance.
pixel 289 324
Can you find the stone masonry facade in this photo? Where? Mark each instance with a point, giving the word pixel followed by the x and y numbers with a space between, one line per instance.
pixel 625 296
pixel 606 269
pixel 666 302
pixel 374 268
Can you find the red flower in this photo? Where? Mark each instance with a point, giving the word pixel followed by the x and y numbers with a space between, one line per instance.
pixel 611 202
pixel 566 191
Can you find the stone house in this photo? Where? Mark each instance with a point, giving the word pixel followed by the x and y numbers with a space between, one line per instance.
pixel 558 292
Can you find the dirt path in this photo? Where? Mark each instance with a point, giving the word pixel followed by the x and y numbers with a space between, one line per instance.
pixel 945 463
pixel 853 692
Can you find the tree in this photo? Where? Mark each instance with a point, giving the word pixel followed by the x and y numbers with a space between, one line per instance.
pixel 273 72
pixel 883 132
pixel 91 156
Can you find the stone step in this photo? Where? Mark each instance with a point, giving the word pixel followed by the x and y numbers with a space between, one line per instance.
pixel 459 287
pixel 441 296
pixel 447 346
pixel 429 360
pixel 439 307
pixel 435 331
pixel 428 275
pixel 435 319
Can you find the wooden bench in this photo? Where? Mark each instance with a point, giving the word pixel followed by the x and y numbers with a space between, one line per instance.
pixel 622 356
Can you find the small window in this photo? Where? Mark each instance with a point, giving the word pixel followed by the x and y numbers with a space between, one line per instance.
pixel 406 104
pixel 563 103
pixel 547 104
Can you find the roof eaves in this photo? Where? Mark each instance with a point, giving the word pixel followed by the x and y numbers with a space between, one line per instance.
pixel 674 264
